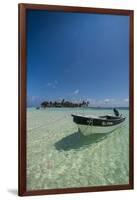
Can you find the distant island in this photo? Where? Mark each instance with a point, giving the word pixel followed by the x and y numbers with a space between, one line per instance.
pixel 63 103
pixel 69 104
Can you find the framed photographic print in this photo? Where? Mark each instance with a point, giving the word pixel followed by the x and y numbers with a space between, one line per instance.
pixel 75 99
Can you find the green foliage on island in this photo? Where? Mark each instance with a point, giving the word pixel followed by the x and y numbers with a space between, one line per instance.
pixel 63 103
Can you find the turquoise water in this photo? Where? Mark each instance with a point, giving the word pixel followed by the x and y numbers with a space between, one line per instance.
pixel 60 157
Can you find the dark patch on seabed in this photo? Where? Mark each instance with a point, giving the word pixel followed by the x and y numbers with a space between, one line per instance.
pixel 77 140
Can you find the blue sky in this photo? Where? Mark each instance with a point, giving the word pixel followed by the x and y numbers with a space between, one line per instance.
pixel 77 56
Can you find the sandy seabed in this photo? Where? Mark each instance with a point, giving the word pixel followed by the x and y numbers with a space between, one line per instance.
pixel 60 157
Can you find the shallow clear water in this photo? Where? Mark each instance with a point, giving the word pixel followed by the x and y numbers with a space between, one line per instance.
pixel 60 157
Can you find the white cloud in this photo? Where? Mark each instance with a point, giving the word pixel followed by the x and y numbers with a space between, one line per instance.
pixel 76 91
pixel 107 100
pixel 126 100
pixel 52 84
pixel 49 84
pixel 32 98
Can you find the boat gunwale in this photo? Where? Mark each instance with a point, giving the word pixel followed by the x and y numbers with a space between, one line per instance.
pixel 99 118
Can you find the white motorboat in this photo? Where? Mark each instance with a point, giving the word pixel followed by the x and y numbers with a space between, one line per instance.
pixel 91 124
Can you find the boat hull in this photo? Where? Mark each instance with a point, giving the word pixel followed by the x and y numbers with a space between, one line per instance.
pixel 88 130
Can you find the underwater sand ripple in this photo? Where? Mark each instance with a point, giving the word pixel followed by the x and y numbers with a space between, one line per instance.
pixel 58 156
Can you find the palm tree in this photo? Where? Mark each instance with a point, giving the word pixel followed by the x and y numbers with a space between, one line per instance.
pixel 44 104
pixel 62 102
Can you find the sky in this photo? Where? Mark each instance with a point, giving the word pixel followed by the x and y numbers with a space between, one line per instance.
pixel 77 56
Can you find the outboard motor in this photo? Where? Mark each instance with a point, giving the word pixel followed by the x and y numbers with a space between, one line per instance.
pixel 116 112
